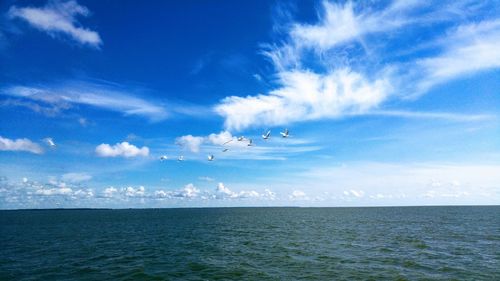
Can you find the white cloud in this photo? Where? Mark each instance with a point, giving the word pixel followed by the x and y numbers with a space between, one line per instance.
pixel 298 195
pixel 59 17
pixel 20 145
pixel 469 49
pixel 339 24
pixel 61 97
pixel 354 193
pixel 76 177
pixel 134 192
pixel 124 193
pixel 328 69
pixel 190 142
pixel 189 191
pixel 84 193
pixel 55 191
pixel 123 149
pixel 260 150
pixel 109 192
pixel 83 121
pixel 208 179
pixel 223 192
pixel 257 77
pixel 269 194
pixel 406 183
pixel 58 188
pixel 161 194
pixel 194 143
pixel 220 138
pixel 305 95
pixel 433 115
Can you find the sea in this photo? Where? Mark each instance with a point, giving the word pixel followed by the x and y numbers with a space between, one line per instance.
pixel 379 243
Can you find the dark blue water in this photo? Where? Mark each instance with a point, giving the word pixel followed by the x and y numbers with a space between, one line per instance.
pixel 410 243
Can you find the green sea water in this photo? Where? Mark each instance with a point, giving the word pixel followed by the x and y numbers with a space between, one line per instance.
pixel 394 243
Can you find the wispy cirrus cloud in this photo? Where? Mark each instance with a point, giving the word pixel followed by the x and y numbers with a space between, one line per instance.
pixel 54 99
pixel 305 95
pixel 467 49
pixel 345 64
pixel 433 115
pixel 20 145
pixel 76 177
pixel 59 17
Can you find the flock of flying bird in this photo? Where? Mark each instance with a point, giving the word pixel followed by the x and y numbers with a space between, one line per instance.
pixel 211 157
pixel 285 134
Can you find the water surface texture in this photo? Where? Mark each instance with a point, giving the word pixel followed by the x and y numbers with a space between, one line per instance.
pixel 407 243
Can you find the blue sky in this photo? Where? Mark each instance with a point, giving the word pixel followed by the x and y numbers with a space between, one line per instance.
pixel 387 103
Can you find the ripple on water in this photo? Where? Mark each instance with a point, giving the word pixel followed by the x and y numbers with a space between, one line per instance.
pixel 251 244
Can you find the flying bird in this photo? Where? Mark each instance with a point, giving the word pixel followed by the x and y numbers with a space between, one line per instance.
pixel 211 157
pixel 241 138
pixel 181 158
pixel 250 142
pixel 50 142
pixel 227 142
pixel 284 134
pixel 267 135
pixel 163 157
pixel 225 149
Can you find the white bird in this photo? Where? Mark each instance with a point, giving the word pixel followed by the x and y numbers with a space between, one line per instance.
pixel 250 142
pixel 50 142
pixel 285 133
pixel 211 157
pixel 267 135
pixel 225 149
pixel 181 158
pixel 163 157
pixel 241 138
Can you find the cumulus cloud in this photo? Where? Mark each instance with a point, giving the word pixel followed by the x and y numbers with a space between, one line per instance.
pixel 53 188
pixel 193 143
pixel 123 149
pixel 223 192
pixel 220 138
pixel 134 192
pixel 124 193
pixel 109 192
pixel 86 193
pixel 407 183
pixel 20 145
pixel 63 190
pixel 190 142
pixel 298 195
pixel 189 191
pixel 59 17
pixel 354 193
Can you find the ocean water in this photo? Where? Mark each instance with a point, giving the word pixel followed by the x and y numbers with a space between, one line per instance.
pixel 407 243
